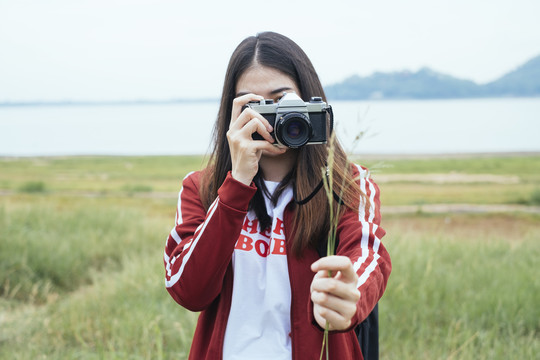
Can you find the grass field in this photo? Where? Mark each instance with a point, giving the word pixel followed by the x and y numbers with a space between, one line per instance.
pixel 81 244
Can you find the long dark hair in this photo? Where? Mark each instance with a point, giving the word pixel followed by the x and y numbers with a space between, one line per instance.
pixel 311 222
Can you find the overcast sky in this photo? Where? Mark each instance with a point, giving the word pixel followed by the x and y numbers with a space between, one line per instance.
pixel 158 49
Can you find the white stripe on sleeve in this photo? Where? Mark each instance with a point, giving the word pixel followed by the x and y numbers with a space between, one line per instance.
pixel 192 244
pixel 365 183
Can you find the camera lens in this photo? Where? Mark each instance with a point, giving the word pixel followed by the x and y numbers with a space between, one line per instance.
pixel 293 130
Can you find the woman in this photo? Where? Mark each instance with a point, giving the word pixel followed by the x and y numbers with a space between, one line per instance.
pixel 244 250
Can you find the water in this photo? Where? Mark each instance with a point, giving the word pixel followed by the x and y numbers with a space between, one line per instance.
pixel 388 127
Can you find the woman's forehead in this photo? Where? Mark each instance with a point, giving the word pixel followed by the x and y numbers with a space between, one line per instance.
pixel 263 80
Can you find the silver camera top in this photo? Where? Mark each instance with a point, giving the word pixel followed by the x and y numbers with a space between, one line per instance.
pixel 288 103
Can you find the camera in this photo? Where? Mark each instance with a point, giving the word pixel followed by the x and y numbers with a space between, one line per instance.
pixel 296 123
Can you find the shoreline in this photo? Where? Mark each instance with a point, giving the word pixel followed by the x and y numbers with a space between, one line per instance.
pixel 389 156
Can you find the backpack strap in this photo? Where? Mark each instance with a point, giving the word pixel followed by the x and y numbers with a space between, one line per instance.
pixel 367 333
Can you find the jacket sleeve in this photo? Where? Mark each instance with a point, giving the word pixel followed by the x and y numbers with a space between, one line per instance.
pixel 200 246
pixel 360 236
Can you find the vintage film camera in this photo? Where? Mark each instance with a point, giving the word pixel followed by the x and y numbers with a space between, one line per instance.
pixel 296 123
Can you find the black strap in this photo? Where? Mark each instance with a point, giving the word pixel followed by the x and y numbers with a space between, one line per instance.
pixel 331 113
pixel 309 197
pixel 313 193
pixel 320 185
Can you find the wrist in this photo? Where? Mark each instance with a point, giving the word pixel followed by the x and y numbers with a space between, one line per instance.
pixel 246 180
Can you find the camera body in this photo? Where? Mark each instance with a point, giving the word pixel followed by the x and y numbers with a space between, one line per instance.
pixel 296 123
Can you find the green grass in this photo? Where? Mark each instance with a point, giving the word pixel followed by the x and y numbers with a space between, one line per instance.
pixel 86 280
pixel 527 167
pixel 58 248
pixel 81 273
pixel 108 176
pixel 418 193
pixel 98 173
pixel 470 293
pixel 534 198
pixel 32 187
pixel 522 173
pixel 124 314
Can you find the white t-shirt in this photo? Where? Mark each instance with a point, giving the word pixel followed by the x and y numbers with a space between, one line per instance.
pixel 259 323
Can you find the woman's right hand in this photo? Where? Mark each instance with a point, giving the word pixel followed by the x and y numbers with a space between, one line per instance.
pixel 246 152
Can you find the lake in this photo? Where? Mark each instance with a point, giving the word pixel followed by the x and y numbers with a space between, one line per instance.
pixel 388 127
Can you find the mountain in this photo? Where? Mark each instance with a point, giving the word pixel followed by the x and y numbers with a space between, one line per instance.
pixel 524 81
pixel 429 84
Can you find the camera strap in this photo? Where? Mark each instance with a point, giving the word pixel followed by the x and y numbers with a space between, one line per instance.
pixel 320 185
pixel 315 191
pixel 331 113
pixel 309 197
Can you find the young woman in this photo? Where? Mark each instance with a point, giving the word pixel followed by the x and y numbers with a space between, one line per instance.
pixel 244 250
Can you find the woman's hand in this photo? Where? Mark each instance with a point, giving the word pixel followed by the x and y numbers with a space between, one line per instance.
pixel 246 152
pixel 334 297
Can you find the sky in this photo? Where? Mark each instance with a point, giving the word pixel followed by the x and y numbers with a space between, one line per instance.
pixel 107 50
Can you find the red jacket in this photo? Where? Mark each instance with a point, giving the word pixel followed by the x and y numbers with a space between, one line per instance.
pixel 199 271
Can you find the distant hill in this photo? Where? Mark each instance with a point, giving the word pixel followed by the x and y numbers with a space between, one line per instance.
pixel 429 84
pixel 524 81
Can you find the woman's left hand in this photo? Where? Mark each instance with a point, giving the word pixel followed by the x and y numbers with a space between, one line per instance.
pixel 334 297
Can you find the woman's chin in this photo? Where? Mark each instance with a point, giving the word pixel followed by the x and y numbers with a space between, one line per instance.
pixel 274 155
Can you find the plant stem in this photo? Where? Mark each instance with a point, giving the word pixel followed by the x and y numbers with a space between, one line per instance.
pixel 325 342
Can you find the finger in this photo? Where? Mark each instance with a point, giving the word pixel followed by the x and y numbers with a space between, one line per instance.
pixel 248 115
pixel 335 287
pixel 321 274
pixel 336 320
pixel 270 148
pixel 341 264
pixel 239 102
pixel 256 125
pixel 345 308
